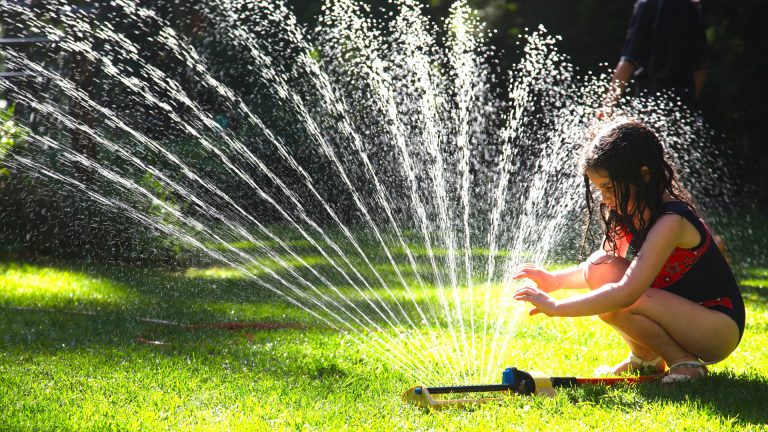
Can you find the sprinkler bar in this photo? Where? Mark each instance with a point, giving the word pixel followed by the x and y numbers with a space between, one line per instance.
pixel 513 381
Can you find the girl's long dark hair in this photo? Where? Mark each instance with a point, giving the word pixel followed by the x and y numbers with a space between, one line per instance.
pixel 622 149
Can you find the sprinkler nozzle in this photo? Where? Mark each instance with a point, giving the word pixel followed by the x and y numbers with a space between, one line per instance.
pixel 508 376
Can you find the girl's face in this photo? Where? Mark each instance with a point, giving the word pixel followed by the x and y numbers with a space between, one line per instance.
pixel 602 182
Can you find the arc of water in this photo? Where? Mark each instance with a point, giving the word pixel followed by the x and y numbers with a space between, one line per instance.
pixel 464 60
pixel 430 85
pixel 179 95
pixel 343 227
pixel 519 96
pixel 336 107
pixel 552 178
pixel 83 99
pixel 566 206
pixel 385 346
pixel 380 81
pixel 416 42
pixel 538 63
pixel 283 90
pixel 157 73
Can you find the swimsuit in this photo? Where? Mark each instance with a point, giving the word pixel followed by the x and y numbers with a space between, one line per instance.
pixel 700 274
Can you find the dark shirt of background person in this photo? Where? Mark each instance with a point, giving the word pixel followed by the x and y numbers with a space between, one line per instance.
pixel 665 49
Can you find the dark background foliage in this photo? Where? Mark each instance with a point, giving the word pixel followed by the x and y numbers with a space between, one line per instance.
pixel 39 221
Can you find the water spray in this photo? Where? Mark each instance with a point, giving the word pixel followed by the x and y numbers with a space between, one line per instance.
pixel 513 381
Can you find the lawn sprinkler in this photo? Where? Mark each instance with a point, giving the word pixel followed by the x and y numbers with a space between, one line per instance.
pixel 513 381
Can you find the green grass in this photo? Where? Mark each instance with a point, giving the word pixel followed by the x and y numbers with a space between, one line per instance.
pixel 70 359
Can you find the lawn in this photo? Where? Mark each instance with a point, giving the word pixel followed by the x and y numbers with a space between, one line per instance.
pixel 108 349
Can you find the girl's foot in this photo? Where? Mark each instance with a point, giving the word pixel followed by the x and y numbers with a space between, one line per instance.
pixel 685 371
pixel 633 363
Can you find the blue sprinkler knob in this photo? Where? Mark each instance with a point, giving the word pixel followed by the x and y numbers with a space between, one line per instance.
pixel 417 390
pixel 508 376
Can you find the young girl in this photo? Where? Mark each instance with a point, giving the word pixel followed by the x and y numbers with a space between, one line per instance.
pixel 658 278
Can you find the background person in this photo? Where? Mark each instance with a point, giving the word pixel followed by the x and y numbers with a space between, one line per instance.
pixel 664 49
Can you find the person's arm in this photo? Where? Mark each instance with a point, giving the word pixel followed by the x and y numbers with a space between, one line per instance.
pixel 665 235
pixel 621 76
pixel 570 278
pixel 698 82
pixel 637 46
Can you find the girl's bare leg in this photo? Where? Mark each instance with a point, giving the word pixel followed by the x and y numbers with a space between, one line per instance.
pixel 601 269
pixel 661 323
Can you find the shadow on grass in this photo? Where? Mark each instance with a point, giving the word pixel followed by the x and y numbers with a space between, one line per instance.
pixel 724 394
pixel 105 345
pixel 41 323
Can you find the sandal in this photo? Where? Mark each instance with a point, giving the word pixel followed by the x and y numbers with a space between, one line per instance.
pixel 635 363
pixel 698 368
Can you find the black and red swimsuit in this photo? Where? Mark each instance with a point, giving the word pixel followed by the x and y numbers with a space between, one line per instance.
pixel 700 274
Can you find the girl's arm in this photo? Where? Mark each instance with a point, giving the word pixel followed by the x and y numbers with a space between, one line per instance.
pixel 662 239
pixel 570 278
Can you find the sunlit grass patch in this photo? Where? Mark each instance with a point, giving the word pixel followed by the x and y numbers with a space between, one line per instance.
pixel 256 311
pixel 283 263
pixel 26 284
pixel 214 273
pixel 245 245
pixel 754 277
pixel 242 245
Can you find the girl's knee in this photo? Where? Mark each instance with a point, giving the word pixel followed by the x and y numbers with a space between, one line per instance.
pixel 616 316
pixel 601 268
pixel 619 317
pixel 608 317
pixel 639 307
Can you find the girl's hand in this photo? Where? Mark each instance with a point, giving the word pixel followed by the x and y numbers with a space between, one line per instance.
pixel 543 279
pixel 541 301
